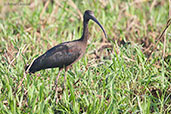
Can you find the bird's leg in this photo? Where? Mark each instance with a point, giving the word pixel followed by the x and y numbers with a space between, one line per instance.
pixel 56 83
pixel 65 77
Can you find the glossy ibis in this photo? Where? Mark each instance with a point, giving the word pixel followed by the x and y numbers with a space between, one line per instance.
pixel 65 54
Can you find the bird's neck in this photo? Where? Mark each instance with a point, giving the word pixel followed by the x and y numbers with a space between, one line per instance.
pixel 85 35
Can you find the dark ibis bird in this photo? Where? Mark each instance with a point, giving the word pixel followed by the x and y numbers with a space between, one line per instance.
pixel 65 54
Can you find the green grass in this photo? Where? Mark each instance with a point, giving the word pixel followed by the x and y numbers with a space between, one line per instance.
pixel 120 80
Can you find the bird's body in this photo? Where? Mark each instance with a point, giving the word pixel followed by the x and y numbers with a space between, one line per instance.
pixel 62 55
pixel 65 54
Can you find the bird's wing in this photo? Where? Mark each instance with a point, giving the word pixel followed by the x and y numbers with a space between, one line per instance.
pixel 59 56
pixel 63 55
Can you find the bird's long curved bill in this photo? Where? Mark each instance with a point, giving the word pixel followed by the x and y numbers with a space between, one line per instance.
pixel 95 20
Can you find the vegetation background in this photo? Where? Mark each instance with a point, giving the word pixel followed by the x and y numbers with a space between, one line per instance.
pixel 130 73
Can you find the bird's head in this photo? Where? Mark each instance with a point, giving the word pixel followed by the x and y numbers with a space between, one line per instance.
pixel 88 14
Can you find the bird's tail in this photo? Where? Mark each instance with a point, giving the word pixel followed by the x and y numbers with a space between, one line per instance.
pixel 34 66
pixel 29 69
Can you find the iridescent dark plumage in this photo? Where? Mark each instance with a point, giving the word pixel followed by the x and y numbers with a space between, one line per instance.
pixel 67 53
pixel 60 56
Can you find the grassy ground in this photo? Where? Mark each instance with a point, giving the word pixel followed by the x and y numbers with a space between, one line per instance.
pixel 114 76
